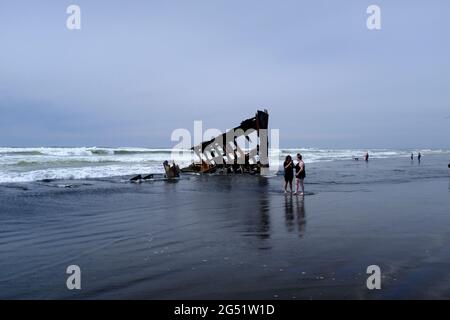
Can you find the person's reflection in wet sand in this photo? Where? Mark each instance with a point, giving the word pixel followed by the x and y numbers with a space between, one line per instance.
pixel 289 212
pixel 297 203
pixel 301 215
pixel 264 226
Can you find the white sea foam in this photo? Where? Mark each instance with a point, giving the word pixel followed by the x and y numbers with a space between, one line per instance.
pixel 77 173
pixel 32 164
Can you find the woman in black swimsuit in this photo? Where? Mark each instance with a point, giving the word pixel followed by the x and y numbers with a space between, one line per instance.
pixel 288 172
pixel 300 174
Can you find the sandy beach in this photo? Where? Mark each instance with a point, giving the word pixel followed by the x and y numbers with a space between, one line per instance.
pixel 232 237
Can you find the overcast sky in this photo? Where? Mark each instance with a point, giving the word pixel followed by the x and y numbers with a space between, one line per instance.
pixel 139 69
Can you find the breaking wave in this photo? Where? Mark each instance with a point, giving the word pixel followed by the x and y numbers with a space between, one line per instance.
pixel 32 164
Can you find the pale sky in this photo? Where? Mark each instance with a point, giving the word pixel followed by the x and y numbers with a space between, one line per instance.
pixel 139 69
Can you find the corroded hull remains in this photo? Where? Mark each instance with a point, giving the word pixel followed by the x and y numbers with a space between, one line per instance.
pixel 223 153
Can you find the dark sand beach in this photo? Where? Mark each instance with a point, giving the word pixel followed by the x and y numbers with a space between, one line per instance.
pixel 232 237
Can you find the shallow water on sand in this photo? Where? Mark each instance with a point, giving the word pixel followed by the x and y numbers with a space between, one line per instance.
pixel 232 236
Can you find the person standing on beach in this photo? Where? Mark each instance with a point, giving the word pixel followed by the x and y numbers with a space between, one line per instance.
pixel 288 172
pixel 419 156
pixel 412 157
pixel 300 174
pixel 366 156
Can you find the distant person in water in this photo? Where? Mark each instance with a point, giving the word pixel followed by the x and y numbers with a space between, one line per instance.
pixel 419 156
pixel 412 156
pixel 366 156
pixel 300 174
pixel 288 172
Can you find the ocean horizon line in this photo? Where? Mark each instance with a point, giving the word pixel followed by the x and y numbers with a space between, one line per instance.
pixel 172 148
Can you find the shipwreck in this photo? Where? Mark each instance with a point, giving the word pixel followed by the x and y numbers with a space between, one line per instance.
pixel 223 154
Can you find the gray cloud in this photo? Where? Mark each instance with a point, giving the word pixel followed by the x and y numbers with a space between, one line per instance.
pixel 136 72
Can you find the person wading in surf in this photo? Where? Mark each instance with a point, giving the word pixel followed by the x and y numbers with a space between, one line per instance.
pixel 300 174
pixel 288 172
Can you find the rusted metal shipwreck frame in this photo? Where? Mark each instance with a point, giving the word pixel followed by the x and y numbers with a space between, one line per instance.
pixel 223 154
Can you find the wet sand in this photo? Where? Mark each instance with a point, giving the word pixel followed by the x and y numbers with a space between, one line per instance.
pixel 232 237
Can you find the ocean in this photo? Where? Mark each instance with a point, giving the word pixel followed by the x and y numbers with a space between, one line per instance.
pixel 34 164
